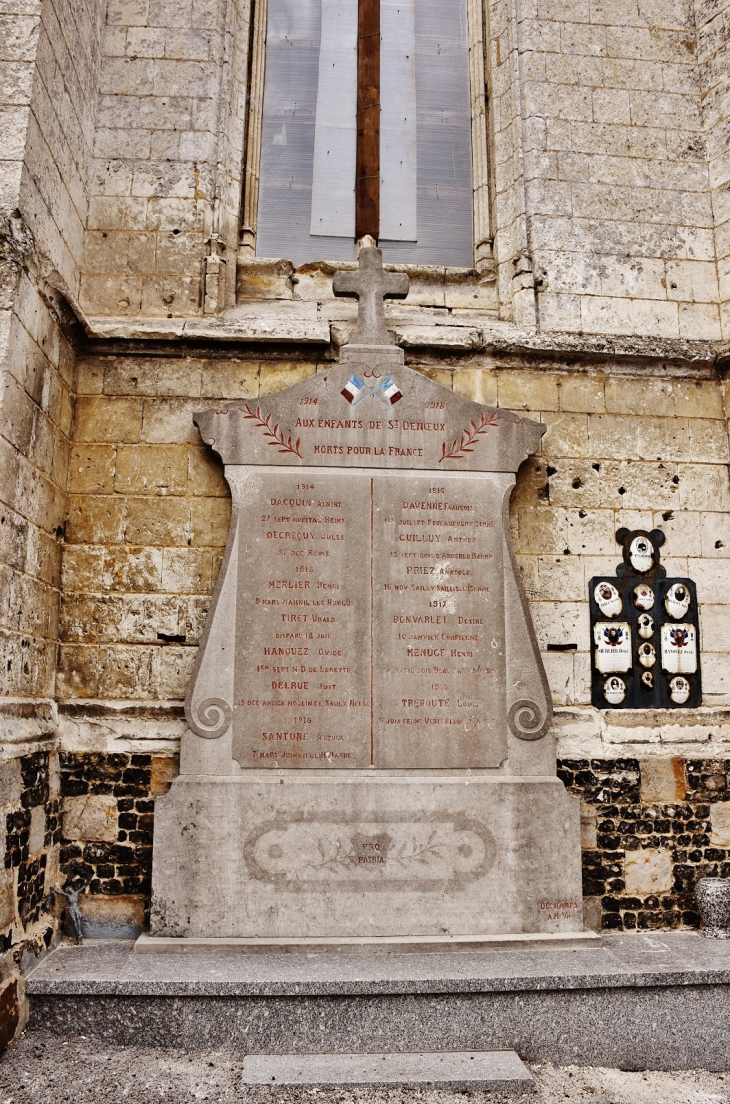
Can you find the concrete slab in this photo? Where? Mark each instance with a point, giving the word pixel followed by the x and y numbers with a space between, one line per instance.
pixel 636 960
pixel 642 1001
pixel 459 1071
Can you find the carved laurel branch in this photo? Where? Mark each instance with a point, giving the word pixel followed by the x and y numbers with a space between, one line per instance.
pixel 525 720
pixel 459 449
pixel 276 434
pixel 211 718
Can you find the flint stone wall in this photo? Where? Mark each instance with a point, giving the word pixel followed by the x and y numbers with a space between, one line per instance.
pixel 647 836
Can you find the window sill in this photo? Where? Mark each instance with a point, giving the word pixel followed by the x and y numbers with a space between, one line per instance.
pixel 435 286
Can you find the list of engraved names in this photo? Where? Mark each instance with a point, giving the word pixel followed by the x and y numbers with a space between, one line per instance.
pixel 370 621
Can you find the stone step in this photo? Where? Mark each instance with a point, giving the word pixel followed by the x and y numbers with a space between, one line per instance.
pixel 640 1001
pixel 457 1070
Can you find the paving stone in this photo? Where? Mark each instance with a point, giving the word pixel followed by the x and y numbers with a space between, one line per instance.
pixel 457 1070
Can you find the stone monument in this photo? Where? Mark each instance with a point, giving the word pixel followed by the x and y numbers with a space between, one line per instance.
pixel 368 757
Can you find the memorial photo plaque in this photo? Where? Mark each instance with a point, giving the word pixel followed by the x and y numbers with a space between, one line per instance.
pixel 659 638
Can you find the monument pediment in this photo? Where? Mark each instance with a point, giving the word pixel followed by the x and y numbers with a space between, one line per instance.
pixel 371 411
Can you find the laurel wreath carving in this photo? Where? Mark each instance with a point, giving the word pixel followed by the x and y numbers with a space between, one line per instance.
pixel 459 448
pixel 276 435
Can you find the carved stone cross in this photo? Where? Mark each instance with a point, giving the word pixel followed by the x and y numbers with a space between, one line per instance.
pixel 370 285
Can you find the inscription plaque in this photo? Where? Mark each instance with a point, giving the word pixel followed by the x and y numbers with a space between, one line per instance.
pixel 369 630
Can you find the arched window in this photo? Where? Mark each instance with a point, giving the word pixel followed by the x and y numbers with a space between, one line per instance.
pixel 331 164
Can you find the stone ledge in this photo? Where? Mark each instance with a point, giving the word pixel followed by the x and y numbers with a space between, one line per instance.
pixel 27 725
pixel 229 327
pixel 329 324
pixel 110 967
pixel 260 279
pixel 586 732
pixel 87 724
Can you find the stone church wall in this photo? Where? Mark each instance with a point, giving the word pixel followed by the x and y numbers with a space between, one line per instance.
pixel 167 167
pixel 120 187
pixel 49 55
pixel 712 20
pixel 601 176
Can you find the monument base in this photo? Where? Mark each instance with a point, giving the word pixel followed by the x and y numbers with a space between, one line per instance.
pixel 407 944
pixel 358 856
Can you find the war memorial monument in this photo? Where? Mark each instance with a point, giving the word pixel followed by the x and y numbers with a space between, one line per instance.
pixel 368 756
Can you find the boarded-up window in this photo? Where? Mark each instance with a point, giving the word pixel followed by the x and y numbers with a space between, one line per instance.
pixel 307 190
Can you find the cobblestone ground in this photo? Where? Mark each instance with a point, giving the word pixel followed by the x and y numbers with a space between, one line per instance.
pixel 40 1068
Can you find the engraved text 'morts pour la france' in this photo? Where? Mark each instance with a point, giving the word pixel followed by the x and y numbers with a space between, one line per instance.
pixel 368 576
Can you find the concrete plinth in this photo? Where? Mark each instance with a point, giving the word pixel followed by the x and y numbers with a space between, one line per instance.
pixel 365 856
pixel 655 1001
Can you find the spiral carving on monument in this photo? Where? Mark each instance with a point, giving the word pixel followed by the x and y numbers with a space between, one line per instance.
pixel 211 718
pixel 526 721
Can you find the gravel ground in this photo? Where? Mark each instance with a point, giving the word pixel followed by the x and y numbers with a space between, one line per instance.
pixel 40 1068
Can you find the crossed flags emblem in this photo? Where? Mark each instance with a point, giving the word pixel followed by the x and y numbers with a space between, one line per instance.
pixel 387 391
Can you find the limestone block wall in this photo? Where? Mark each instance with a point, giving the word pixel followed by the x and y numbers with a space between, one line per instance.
pixel 34 449
pixel 49 54
pixel 168 153
pixel 643 452
pixel 42 236
pixel 148 515
pixel 600 173
pixel 57 144
pixel 36 409
pixel 19 30
pixel 51 58
pixel 713 41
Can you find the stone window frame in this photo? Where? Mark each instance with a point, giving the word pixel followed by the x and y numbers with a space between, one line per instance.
pixel 481 191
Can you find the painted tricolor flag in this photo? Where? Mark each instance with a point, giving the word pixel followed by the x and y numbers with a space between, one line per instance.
pixel 390 390
pixel 354 388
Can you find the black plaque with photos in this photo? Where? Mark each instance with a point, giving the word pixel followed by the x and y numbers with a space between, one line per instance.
pixel 645 632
